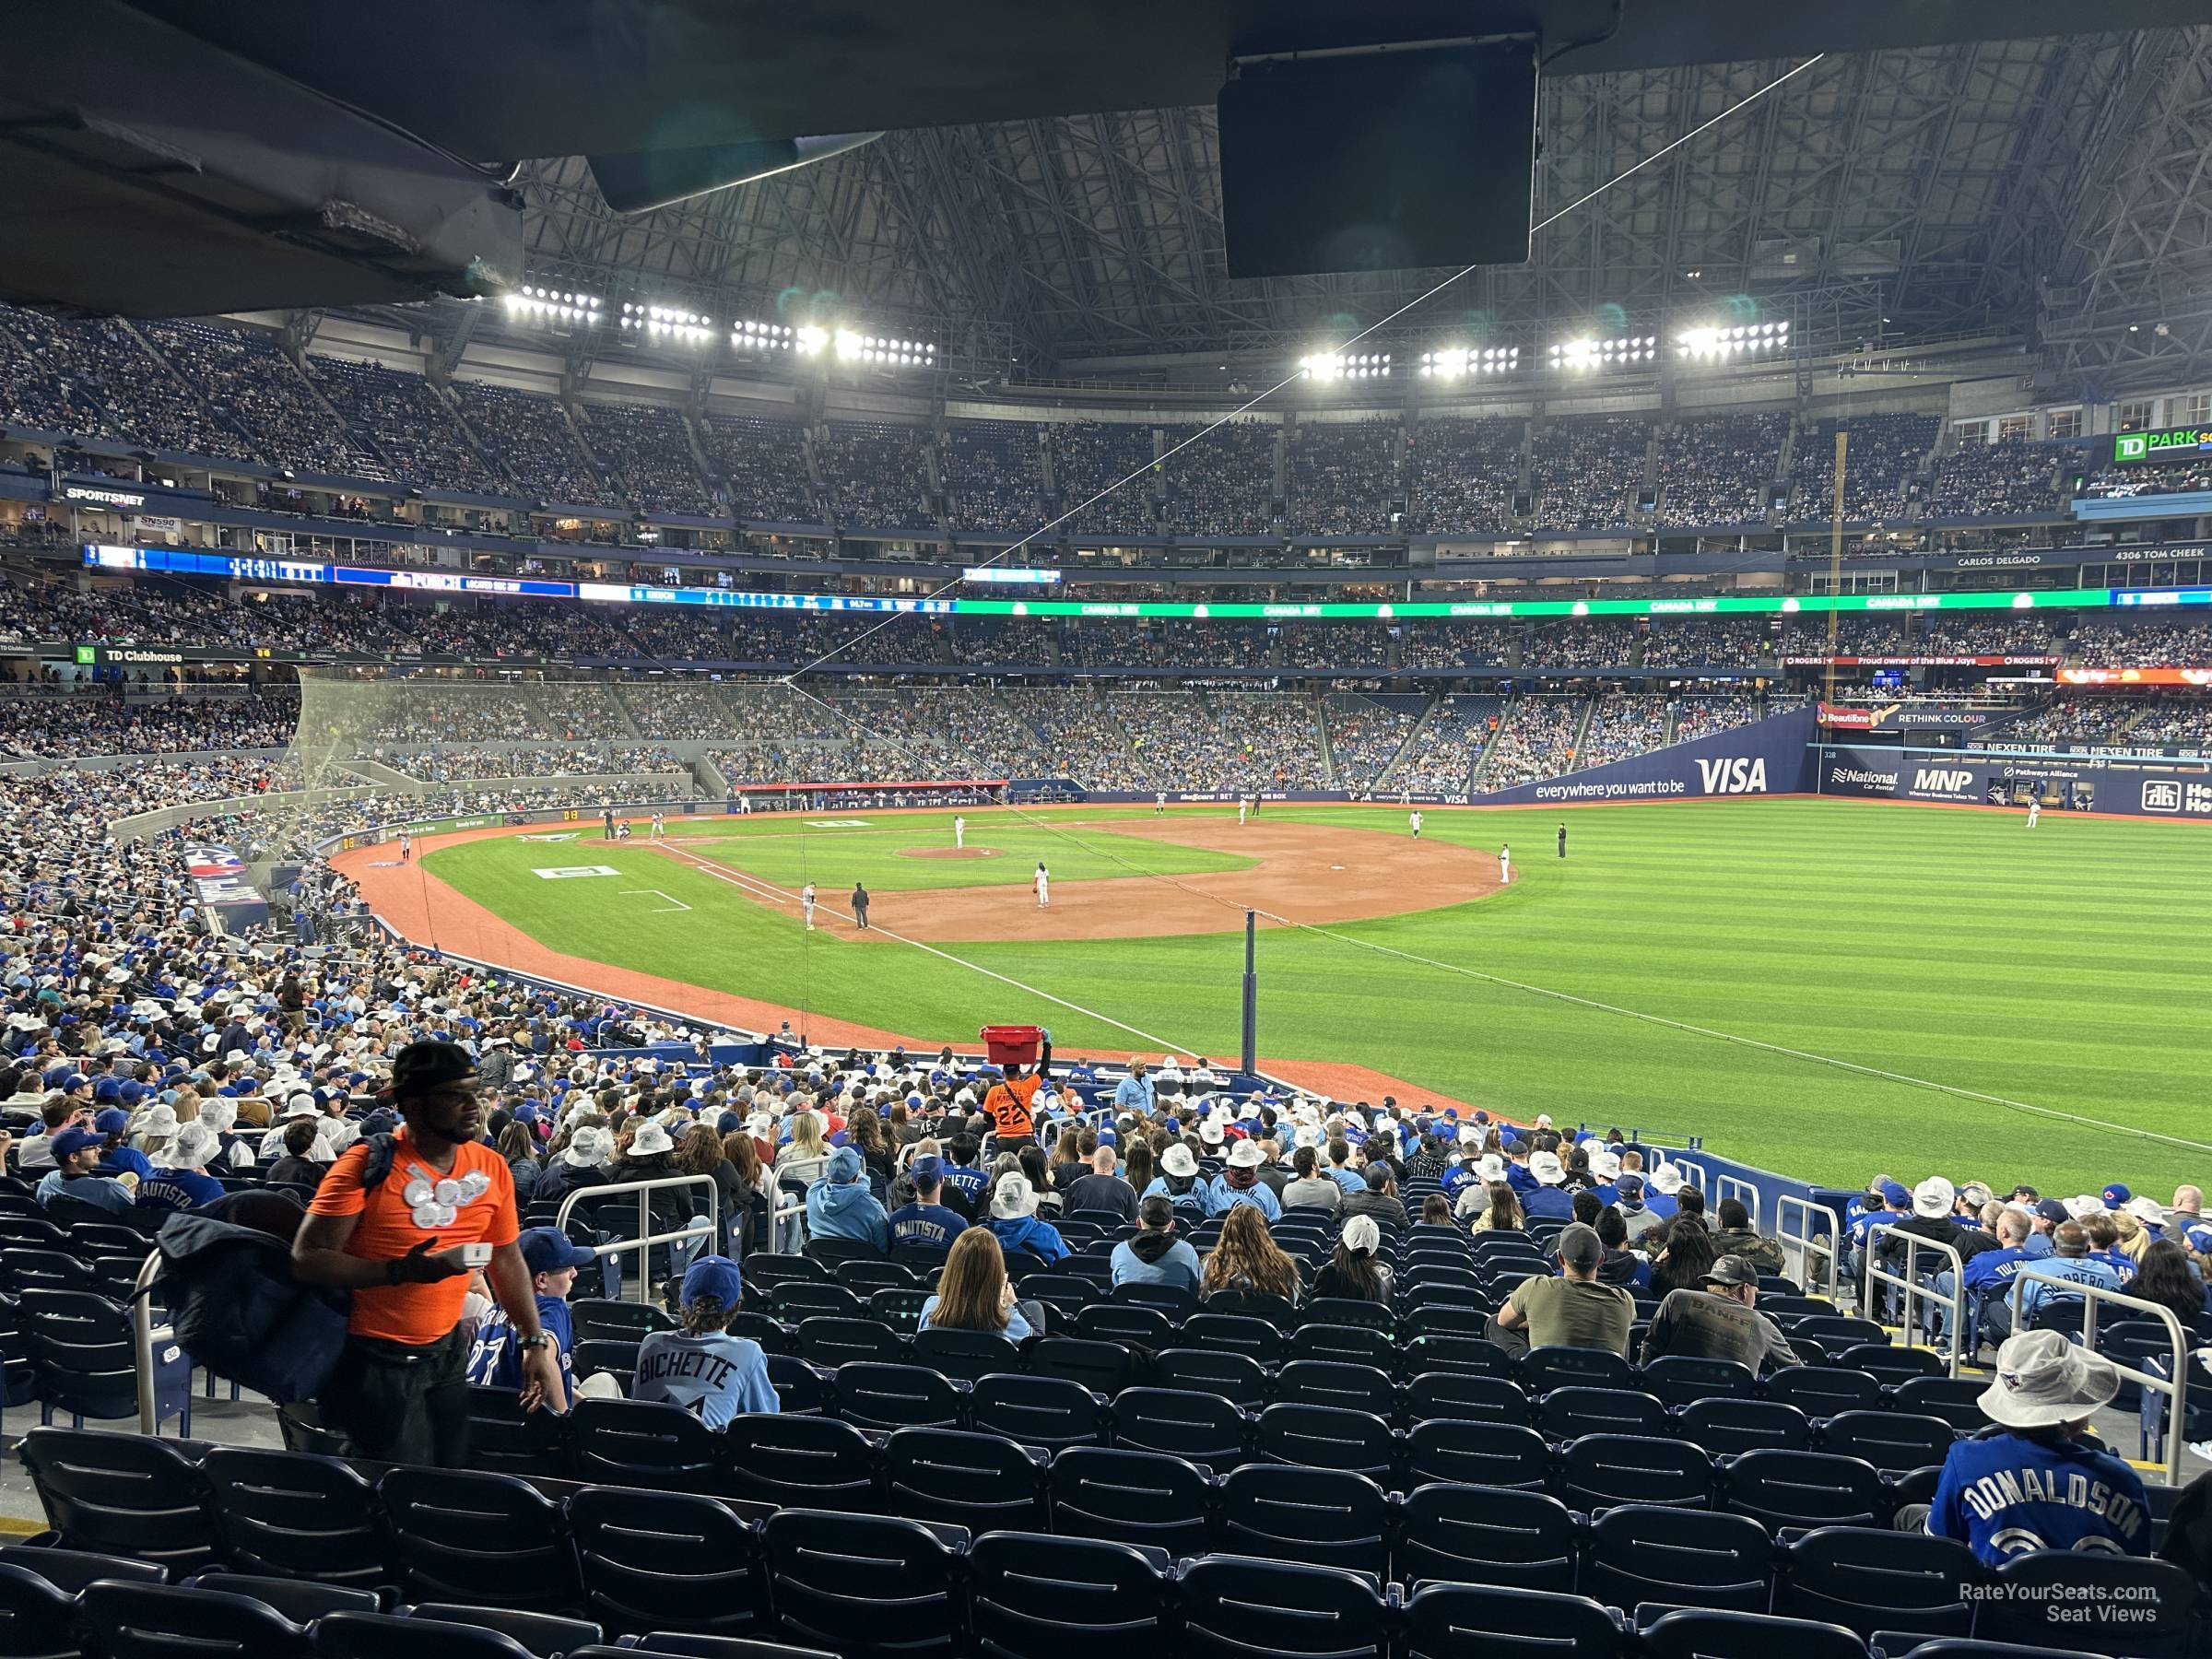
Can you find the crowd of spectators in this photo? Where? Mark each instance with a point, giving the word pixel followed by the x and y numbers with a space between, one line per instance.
pixel 246 379
pixel 1881 462
pixel 1335 645
pixel 877 474
pixel 1589 471
pixel 102 720
pixel 2179 721
pixel 1425 644
pixel 2186 477
pixel 666 708
pixel 1223 482
pixel 765 462
pixel 1460 474
pixel 405 419
pixel 1623 724
pixel 1080 736
pixel 1716 470
pixel 1702 716
pixel 1343 476
pixel 1580 643
pixel 1368 734
pixel 462 764
pixel 2085 719
pixel 1440 758
pixel 2151 646
pixel 1536 739
pixel 2003 635
pixel 1090 455
pixel 2002 479
pixel 96 380
pixel 1704 642
pixel 994 475
pixel 530 438
pixel 644 449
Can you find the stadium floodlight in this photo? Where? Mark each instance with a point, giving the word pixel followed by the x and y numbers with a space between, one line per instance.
pixel 1725 342
pixel 1583 353
pixel 811 339
pixel 1448 364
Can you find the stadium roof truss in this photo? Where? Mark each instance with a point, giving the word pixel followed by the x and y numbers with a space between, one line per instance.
pixel 1995 186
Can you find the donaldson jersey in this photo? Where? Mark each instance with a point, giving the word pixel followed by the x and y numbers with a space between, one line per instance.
pixel 497 1362
pixel 2005 1494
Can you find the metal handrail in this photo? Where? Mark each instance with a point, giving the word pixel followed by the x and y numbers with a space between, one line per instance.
pixel 710 1224
pixel 1744 1191
pixel 1957 1340
pixel 144 1333
pixel 2177 1387
pixel 1814 1247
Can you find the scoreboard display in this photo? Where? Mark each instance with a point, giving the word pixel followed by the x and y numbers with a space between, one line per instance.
pixel 2173 444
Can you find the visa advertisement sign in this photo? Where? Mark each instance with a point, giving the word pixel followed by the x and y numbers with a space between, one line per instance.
pixel 1766 758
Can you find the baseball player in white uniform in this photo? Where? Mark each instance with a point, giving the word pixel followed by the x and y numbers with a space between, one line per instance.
pixel 1505 865
pixel 1242 804
pixel 1159 805
pixel 406 846
pixel 1044 887
pixel 744 805
pixel 660 827
pixel 2035 810
pixel 960 832
pixel 1415 819
pixel 807 904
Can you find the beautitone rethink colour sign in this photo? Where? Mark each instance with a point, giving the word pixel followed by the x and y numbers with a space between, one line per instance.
pixel 1766 757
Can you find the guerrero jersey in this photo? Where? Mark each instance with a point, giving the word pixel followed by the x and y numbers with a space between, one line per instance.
pixel 2006 1494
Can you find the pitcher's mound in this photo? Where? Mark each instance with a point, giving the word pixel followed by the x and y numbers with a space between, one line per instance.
pixel 948 852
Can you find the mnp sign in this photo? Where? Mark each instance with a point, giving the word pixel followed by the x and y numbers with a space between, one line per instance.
pixel 1766 758
pixel 2134 787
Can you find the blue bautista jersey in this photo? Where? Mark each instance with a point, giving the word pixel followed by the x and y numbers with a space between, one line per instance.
pixel 2005 1494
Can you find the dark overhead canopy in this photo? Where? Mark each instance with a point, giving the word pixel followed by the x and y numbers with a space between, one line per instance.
pixel 505 80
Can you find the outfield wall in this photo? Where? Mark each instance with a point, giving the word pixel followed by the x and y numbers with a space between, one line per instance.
pixel 2131 787
pixel 1766 758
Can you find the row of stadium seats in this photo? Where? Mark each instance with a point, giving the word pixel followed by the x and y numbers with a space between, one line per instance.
pixel 1137 1548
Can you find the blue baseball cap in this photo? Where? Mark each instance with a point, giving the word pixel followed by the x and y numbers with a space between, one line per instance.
pixel 1894 1193
pixel 928 1167
pixel 845 1164
pixel 548 1250
pixel 2115 1195
pixel 714 1278
pixel 70 1142
pixel 114 1120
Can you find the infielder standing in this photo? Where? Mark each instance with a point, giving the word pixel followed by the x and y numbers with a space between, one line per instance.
pixel 960 832
pixel 1505 865
pixel 1044 887
pixel 406 846
pixel 1415 819
pixel 1159 805
pixel 807 904
pixel 2035 810
pixel 1241 806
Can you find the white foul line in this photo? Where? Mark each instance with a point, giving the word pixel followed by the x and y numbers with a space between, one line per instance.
pixel 667 906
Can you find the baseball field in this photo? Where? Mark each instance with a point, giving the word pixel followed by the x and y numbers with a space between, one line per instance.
pixel 2061 971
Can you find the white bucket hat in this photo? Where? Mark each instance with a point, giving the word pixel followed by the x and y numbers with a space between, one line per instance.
pixel 1666 1180
pixel 2148 1211
pixel 1934 1197
pixel 1544 1167
pixel 1604 1163
pixel 1013 1197
pixel 650 1140
pixel 1491 1168
pixel 2042 1379
pixel 1210 1132
pixel 2084 1205
pixel 1177 1161
pixel 1245 1155
pixel 587 1147
pixel 158 1120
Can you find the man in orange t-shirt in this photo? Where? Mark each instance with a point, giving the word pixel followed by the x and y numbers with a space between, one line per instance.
pixel 402 1245
pixel 1007 1103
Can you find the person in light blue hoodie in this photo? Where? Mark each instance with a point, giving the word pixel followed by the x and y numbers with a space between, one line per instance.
pixel 839 1206
pixel 1014 1220
pixel 1155 1256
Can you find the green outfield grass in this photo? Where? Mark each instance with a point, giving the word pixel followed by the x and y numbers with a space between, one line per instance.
pixel 2064 968
pixel 778 850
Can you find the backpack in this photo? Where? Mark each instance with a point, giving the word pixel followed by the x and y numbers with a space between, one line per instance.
pixel 227 1281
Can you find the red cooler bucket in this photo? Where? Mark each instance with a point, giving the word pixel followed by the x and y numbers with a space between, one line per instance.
pixel 1012 1045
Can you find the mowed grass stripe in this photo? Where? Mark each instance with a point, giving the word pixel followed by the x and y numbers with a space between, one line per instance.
pixel 2062 968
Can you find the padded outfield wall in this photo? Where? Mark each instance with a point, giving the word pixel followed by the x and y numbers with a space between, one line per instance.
pixel 1769 757
pixel 2129 785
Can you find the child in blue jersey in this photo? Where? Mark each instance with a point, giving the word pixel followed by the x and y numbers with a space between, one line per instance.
pixel 702 1367
pixel 552 1260
pixel 2034 1483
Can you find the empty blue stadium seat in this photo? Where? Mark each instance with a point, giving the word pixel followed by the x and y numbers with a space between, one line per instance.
pixel 133 1620
pixel 1872 1579
pixel 1638 1553
pixel 1233 1605
pixel 1325 1516
pixel 123 1494
pixel 1035 1596
pixel 1598 1471
pixel 38 1619
pixel 1807 1489
pixel 1703 1633
pixel 643 1444
pixel 863 1584
pixel 813 1460
pixel 463 1535
pixel 293 1514
pixel 1486 1533
pixel 1481 1621
pixel 1204 1428
pixel 2118 1590
pixel 1474 1454
pixel 979 1481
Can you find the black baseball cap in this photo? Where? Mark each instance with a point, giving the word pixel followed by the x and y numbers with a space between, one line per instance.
pixel 1730 1270
pixel 422 1066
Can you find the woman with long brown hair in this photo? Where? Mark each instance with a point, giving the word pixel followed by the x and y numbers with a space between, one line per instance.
pixel 1067 1166
pixel 1504 1214
pixel 1137 1169
pixel 1248 1258
pixel 756 1186
pixel 974 1294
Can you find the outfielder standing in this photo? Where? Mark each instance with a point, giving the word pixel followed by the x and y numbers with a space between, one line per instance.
pixel 960 832
pixel 1562 841
pixel 1414 818
pixel 2035 810
pixel 1159 805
